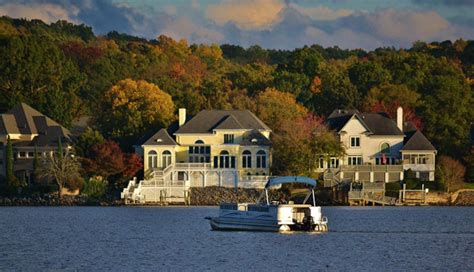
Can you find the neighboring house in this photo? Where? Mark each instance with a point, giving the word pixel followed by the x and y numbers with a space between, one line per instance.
pixel 228 148
pixel 377 148
pixel 28 130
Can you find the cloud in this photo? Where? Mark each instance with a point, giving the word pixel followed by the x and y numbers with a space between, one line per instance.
pixel 170 10
pixel 322 13
pixel 452 3
pixel 48 13
pixel 246 14
pixel 183 28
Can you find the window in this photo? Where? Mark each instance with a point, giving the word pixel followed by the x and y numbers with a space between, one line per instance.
pixel 247 159
pixel 261 159
pixel 355 141
pixel 321 162
pixel 22 154
pixel 334 163
pixel 385 148
pixel 166 158
pixel 31 154
pixel 224 160
pixel 152 159
pixel 199 153
pixel 228 138
pixel 355 160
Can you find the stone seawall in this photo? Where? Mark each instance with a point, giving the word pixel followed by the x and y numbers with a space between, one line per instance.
pixel 211 196
pixel 52 200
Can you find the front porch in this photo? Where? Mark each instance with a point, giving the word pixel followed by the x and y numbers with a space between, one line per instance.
pixel 362 173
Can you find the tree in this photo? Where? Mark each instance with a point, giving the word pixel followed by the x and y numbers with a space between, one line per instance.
pixel 451 173
pixel 36 165
pixel 300 143
pixel 63 169
pixel 9 163
pixel 469 162
pixel 130 107
pixel 107 160
pixel 335 90
pixel 367 74
pixel 273 107
pixel 88 138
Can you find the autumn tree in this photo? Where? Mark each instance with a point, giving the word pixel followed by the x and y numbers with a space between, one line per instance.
pixel 108 160
pixel 300 143
pixel 274 107
pixel 130 107
pixel 451 173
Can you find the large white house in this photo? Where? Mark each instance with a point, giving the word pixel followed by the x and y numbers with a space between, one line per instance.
pixel 228 148
pixel 377 148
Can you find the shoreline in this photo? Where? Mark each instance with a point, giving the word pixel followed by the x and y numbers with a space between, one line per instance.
pixel 212 197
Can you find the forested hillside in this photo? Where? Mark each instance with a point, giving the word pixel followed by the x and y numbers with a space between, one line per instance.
pixel 129 84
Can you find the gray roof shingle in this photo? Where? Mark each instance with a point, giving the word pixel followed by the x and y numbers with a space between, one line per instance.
pixel 376 123
pixel 208 120
pixel 415 140
pixel 162 137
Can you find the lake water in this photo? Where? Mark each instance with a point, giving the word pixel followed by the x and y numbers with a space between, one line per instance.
pixel 178 238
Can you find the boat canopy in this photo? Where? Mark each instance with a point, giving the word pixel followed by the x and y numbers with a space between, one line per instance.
pixel 290 179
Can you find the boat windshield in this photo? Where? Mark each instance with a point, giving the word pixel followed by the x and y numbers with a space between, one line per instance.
pixel 297 196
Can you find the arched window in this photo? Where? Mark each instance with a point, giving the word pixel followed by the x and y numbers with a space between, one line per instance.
pixel 166 158
pixel 152 159
pixel 385 148
pixel 224 159
pixel 199 142
pixel 261 159
pixel 247 159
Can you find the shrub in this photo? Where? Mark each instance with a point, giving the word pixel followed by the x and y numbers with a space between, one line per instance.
pixel 95 187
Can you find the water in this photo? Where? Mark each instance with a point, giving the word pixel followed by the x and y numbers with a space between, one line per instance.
pixel 178 238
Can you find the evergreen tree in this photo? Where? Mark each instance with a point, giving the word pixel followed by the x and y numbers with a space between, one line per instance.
pixel 35 166
pixel 9 163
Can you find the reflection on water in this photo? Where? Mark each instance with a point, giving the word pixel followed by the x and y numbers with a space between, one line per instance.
pixel 178 238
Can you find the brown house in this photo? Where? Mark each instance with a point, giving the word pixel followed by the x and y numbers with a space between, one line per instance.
pixel 28 130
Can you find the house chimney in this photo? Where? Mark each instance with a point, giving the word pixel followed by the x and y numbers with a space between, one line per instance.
pixel 400 118
pixel 182 116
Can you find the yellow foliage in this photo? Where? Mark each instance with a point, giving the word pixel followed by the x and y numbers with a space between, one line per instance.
pixel 138 104
pixel 273 107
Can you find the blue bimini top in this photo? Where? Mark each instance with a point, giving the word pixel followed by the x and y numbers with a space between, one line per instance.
pixel 291 179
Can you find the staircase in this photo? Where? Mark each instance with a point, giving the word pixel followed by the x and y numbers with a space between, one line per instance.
pixel 159 186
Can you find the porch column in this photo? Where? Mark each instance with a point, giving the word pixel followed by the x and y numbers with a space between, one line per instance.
pixel 356 176
pixel 204 178
pixel 387 177
pixel 341 175
pixel 401 175
pixel 371 176
pixel 219 178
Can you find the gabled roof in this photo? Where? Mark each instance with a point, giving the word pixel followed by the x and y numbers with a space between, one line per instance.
pixel 255 138
pixel 23 119
pixel 415 140
pixel 376 123
pixel 162 137
pixel 208 120
pixel 229 123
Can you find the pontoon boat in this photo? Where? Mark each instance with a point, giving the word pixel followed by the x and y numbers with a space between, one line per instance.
pixel 272 216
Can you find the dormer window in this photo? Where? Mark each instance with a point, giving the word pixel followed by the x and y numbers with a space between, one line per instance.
pixel 355 141
pixel 159 140
pixel 254 140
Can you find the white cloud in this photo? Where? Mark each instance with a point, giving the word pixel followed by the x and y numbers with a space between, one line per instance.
pixel 170 10
pixel 48 13
pixel 183 28
pixel 322 13
pixel 246 14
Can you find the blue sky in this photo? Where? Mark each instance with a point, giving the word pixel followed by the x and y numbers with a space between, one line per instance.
pixel 282 24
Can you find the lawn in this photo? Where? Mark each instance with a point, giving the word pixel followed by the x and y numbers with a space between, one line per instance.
pixel 468 185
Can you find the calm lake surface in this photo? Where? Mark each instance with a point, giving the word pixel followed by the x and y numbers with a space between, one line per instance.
pixel 178 238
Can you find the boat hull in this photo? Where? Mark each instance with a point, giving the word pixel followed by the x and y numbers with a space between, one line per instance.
pixel 233 224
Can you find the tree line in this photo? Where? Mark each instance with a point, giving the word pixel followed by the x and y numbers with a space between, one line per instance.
pixel 129 86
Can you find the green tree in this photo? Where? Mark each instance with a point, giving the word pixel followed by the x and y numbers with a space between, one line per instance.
pixel 367 74
pixel 9 163
pixel 88 138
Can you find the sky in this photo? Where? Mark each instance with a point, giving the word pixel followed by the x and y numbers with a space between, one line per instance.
pixel 279 24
